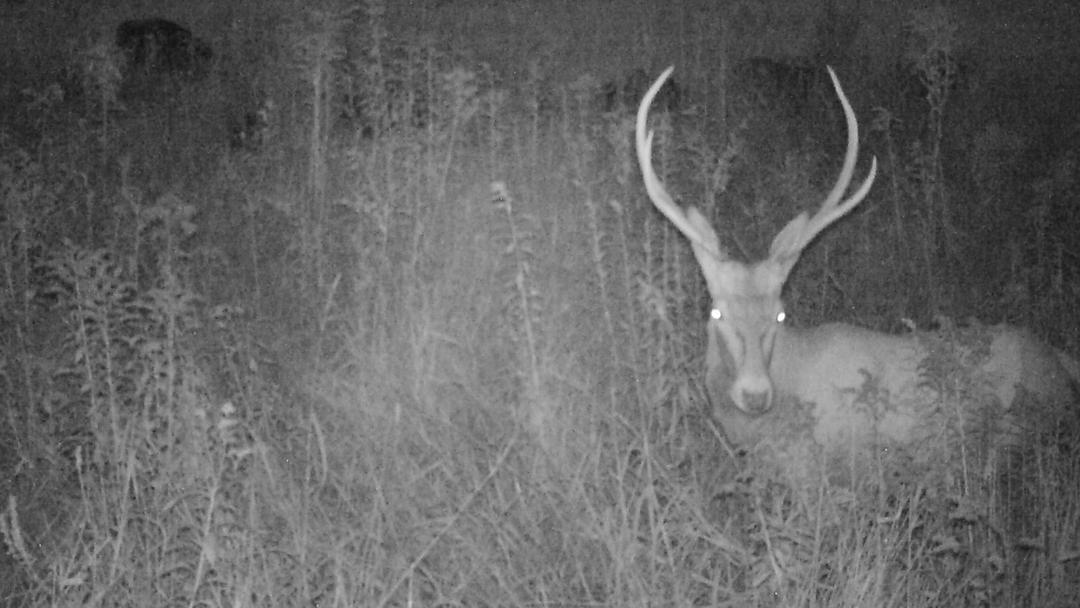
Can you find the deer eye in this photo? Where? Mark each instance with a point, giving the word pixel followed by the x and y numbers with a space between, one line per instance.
pixel 780 316
pixel 715 314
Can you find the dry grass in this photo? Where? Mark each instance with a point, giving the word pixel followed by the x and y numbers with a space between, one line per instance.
pixel 431 346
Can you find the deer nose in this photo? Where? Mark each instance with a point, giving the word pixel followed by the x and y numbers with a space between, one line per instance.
pixel 755 402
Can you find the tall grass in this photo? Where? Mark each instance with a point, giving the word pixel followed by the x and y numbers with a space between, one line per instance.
pixel 429 344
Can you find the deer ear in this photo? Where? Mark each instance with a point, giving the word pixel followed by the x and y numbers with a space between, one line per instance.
pixel 711 265
pixel 704 230
pixel 788 244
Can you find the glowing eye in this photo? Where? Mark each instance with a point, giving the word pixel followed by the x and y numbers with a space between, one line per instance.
pixel 780 316
pixel 715 314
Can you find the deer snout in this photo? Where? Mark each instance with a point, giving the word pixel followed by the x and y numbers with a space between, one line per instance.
pixel 754 402
pixel 752 393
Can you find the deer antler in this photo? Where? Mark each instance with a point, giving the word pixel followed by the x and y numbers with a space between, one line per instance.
pixel 798 234
pixel 659 196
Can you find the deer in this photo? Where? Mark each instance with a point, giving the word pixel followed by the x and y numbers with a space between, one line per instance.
pixel 838 387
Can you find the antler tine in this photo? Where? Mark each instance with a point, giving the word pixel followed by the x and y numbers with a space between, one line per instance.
pixel 659 196
pixel 832 208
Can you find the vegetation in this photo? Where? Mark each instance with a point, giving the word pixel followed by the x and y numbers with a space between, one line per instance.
pixel 415 336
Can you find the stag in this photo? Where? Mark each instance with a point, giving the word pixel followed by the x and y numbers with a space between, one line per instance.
pixel 836 387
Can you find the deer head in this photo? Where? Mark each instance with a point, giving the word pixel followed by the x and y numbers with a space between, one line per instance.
pixel 747 311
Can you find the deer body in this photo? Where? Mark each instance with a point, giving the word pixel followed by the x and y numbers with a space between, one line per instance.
pixel 824 367
pixel 862 387
pixel 836 387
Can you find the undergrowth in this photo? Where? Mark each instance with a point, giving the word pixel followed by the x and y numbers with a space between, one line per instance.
pixel 423 341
